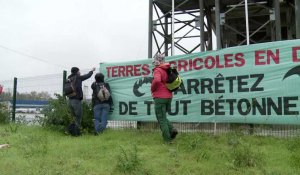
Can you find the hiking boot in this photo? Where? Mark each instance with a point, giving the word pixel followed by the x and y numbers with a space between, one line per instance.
pixel 174 133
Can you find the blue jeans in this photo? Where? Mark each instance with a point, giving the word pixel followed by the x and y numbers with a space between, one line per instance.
pixel 100 116
pixel 76 110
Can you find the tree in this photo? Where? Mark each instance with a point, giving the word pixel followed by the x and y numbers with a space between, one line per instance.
pixel 6 96
pixel 34 96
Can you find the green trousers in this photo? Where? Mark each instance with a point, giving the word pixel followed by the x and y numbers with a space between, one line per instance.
pixel 161 107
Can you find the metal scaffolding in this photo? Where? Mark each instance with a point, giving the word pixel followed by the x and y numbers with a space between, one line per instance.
pixel 201 25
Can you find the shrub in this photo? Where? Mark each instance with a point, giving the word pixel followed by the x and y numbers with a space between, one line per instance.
pixel 87 118
pixel 57 113
pixel 4 115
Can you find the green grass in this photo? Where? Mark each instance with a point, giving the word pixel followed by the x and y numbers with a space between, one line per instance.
pixel 35 150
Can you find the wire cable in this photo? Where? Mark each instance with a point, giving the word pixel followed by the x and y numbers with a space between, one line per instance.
pixel 32 57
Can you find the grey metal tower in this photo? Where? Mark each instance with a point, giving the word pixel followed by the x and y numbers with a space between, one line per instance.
pixel 197 22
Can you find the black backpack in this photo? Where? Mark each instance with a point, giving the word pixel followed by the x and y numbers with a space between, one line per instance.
pixel 174 81
pixel 70 87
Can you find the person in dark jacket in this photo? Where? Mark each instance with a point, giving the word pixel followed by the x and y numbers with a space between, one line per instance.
pixel 75 101
pixel 162 97
pixel 101 108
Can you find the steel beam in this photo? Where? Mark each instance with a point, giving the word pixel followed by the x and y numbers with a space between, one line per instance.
pixel 170 11
pixel 150 29
pixel 160 22
pixel 156 42
pixel 166 38
pixel 237 32
pixel 209 28
pixel 194 36
pixel 178 22
pixel 278 19
pixel 297 18
pixel 186 23
pixel 218 26
pixel 289 23
pixel 257 30
pixel 201 20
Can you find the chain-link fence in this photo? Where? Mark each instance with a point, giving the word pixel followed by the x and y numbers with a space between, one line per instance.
pixel 34 93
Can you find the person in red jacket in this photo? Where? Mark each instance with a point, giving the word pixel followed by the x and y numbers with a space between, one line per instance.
pixel 162 97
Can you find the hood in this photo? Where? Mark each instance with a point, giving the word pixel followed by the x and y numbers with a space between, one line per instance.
pixel 72 75
pixel 164 66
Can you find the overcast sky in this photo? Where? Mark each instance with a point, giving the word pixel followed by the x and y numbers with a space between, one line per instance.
pixel 66 33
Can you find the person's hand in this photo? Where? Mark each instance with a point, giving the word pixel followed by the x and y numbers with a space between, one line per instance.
pixel 93 69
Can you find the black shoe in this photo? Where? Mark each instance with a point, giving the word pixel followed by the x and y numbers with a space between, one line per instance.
pixel 174 133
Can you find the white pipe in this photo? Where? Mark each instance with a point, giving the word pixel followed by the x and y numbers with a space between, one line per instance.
pixel 247 21
pixel 173 7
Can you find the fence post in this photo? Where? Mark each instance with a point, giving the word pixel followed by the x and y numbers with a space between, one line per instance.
pixel 215 128
pixel 251 129
pixel 14 100
pixel 138 125
pixel 64 82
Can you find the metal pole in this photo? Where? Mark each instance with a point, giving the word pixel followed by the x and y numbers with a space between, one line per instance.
pixel 150 28
pixel 209 29
pixel 173 7
pixel 277 19
pixel 201 21
pixel 297 14
pixel 14 100
pixel 247 21
pixel 218 27
pixel 289 23
pixel 166 37
pixel 64 82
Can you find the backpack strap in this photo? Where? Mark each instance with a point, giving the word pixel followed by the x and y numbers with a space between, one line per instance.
pixel 73 79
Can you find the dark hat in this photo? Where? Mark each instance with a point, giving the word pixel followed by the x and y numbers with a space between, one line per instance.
pixel 99 77
pixel 74 70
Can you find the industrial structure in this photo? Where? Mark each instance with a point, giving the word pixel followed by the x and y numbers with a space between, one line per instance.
pixel 203 25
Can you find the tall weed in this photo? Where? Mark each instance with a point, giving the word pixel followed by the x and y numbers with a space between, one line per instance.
pixel 245 155
pixel 128 160
pixel 33 146
pixel 294 148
